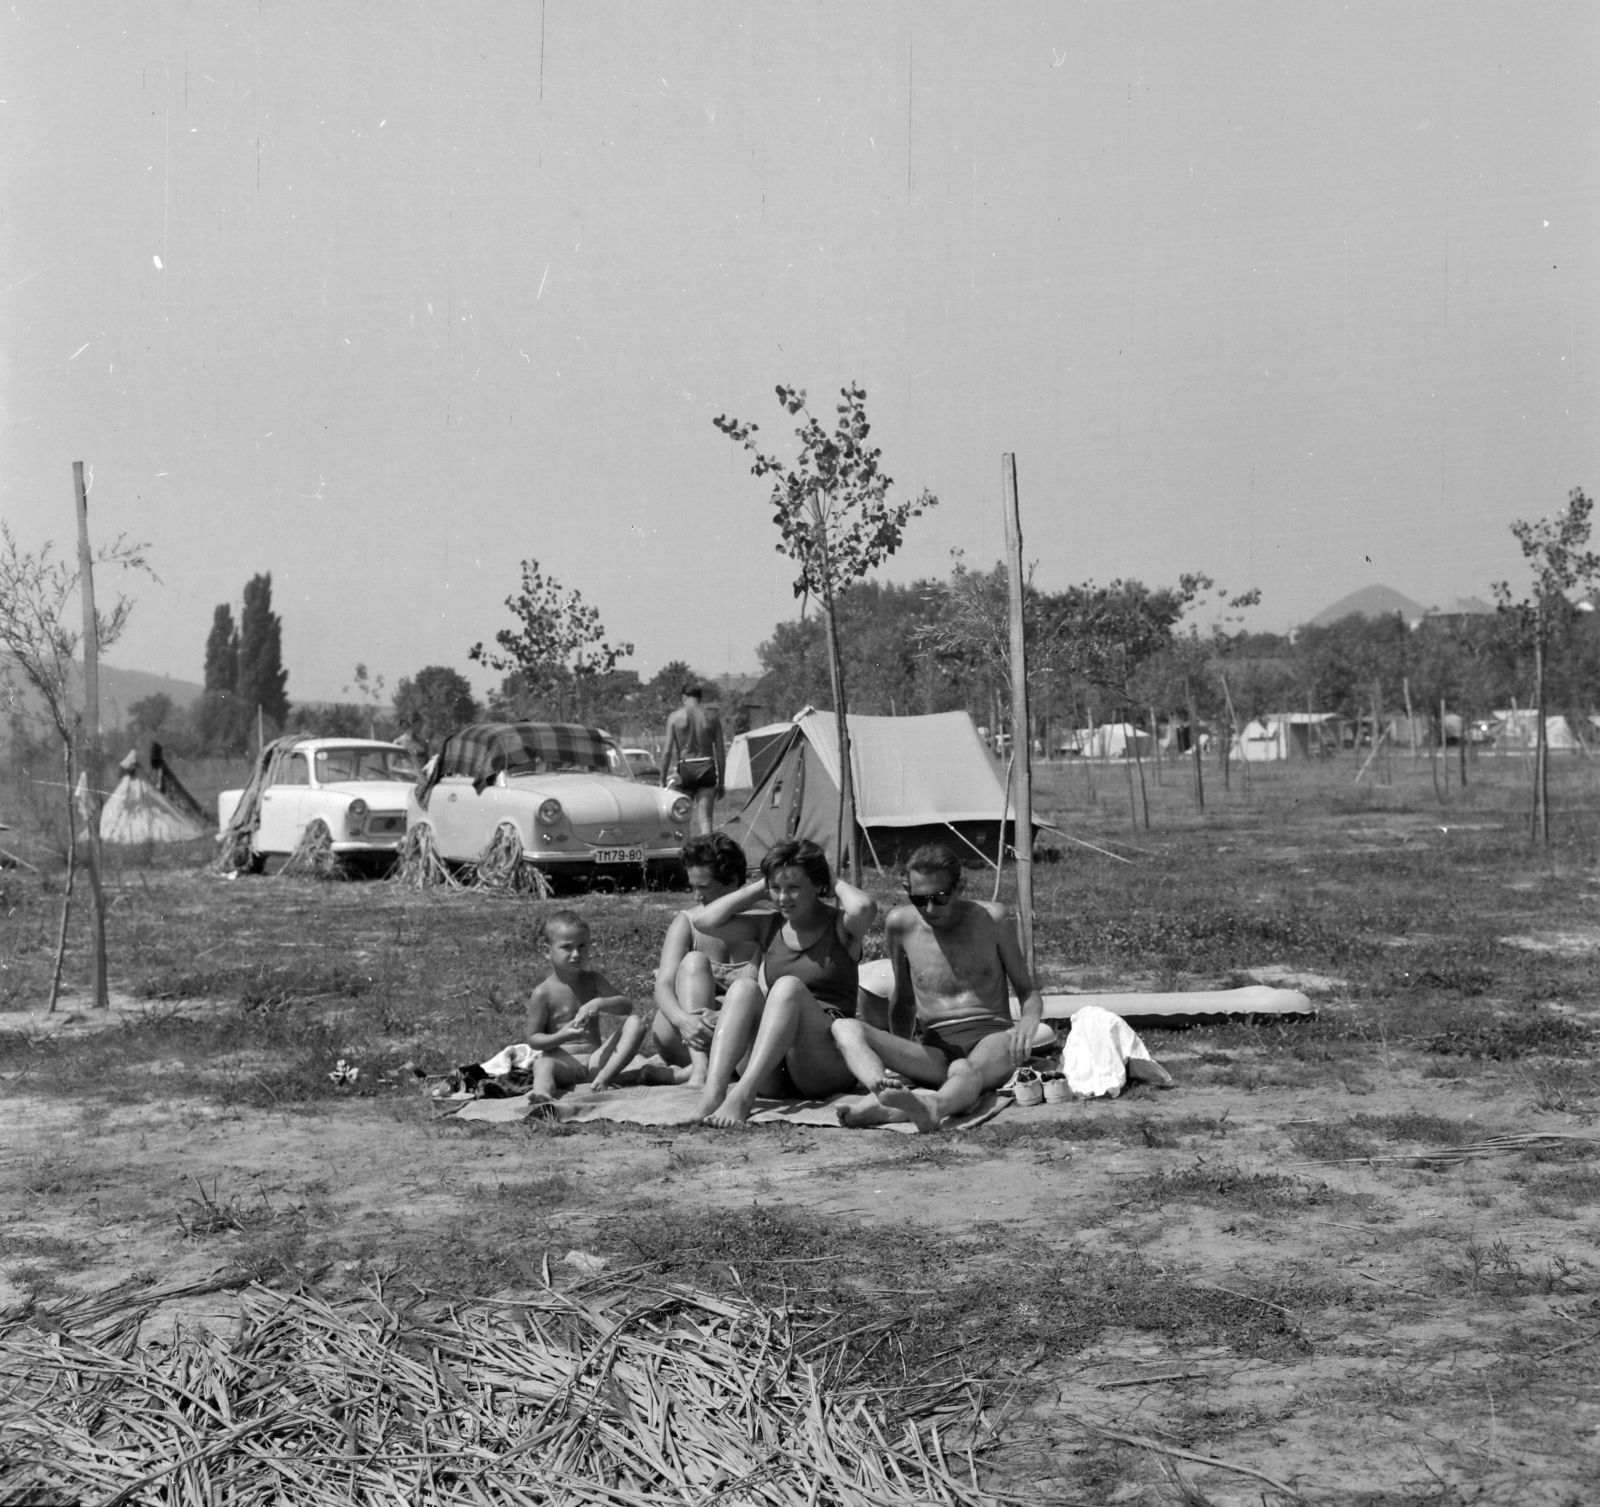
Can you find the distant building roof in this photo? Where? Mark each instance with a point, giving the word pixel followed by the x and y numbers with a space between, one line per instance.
pixel 1370 601
pixel 1462 607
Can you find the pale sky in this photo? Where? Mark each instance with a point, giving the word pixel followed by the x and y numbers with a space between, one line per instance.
pixel 383 298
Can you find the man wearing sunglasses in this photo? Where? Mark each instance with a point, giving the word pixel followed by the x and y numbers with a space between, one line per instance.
pixel 955 963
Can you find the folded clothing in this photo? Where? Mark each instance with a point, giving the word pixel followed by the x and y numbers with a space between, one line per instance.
pixel 1098 1050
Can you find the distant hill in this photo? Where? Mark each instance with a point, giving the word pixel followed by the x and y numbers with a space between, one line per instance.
pixel 1370 601
pixel 120 689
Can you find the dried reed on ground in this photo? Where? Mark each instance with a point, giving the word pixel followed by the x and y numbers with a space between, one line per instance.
pixel 314 855
pixel 620 1390
pixel 500 867
pixel 419 865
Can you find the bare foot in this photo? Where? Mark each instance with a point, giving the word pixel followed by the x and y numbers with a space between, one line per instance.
pixel 864 1114
pixel 916 1107
pixel 731 1114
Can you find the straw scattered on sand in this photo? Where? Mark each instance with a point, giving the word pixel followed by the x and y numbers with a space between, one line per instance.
pixel 621 1391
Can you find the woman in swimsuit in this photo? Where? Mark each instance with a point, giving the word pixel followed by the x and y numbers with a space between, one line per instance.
pixel 810 952
pixel 697 969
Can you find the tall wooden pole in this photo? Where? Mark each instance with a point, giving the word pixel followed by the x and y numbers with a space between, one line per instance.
pixel 1021 740
pixel 92 761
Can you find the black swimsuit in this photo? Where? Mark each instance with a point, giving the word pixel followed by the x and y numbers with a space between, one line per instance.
pixel 825 967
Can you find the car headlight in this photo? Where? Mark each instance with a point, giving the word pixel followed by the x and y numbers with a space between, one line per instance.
pixel 550 812
pixel 681 809
pixel 358 807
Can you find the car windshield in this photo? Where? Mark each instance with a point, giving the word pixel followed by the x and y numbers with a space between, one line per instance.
pixel 335 765
pixel 606 759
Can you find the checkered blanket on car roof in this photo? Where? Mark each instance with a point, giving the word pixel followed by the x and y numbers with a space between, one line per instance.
pixel 483 750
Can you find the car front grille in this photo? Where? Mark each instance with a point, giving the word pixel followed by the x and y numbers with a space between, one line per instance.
pixel 615 835
pixel 385 826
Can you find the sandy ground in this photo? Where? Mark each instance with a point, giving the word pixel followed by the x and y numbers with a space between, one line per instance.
pixel 1449 1320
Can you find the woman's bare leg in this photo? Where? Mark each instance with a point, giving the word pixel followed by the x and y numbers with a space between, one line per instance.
pixel 737 1025
pixel 795 1030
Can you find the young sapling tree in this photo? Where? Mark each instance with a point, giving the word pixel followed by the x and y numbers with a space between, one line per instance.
pixel 834 520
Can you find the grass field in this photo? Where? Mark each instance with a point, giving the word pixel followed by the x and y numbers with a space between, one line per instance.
pixel 1286 1264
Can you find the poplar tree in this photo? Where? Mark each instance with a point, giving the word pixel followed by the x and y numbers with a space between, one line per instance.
pixel 261 677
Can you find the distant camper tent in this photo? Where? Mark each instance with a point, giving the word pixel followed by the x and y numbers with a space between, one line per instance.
pixel 1115 740
pixel 1287 735
pixel 750 755
pixel 137 811
pixel 917 779
pixel 1517 730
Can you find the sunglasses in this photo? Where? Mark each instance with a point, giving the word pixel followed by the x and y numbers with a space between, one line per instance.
pixel 939 897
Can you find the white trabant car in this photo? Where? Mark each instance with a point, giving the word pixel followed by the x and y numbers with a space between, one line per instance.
pixel 567 793
pixel 349 794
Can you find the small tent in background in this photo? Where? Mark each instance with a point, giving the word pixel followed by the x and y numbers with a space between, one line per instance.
pixel 750 755
pixel 168 783
pixel 1117 740
pixel 137 812
pixel 917 780
pixel 1517 730
pixel 1286 735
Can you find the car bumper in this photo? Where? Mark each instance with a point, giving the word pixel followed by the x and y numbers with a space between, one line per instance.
pixel 384 844
pixel 562 862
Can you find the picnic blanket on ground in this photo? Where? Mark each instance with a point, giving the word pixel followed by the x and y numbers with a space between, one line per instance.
pixel 676 1105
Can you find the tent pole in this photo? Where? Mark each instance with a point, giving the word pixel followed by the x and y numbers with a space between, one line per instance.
pixel 91 766
pixel 1021 731
pixel 1005 811
pixel 976 849
pixel 872 850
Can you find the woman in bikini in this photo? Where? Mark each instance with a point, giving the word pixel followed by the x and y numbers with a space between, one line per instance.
pixel 810 952
pixel 696 968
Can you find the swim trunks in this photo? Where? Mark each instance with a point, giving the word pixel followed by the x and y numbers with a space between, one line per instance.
pixel 957 1038
pixel 825 967
pixel 724 974
pixel 696 774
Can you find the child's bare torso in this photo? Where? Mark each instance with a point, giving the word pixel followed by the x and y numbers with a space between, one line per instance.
pixel 563 998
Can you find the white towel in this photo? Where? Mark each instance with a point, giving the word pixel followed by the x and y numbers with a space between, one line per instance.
pixel 515 1059
pixel 1098 1048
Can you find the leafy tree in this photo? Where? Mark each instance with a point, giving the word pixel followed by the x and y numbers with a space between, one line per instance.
pixel 222 651
pixel 37 593
pixel 557 651
pixel 339 719
pixel 1556 550
pixel 262 678
pixel 834 520
pixel 437 700
pixel 148 717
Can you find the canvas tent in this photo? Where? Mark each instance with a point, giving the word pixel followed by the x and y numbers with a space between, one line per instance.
pixel 1286 735
pixel 750 755
pixel 1519 729
pixel 136 811
pixel 917 780
pixel 1116 740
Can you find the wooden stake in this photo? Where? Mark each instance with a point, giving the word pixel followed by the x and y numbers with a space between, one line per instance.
pixel 1021 742
pixel 92 761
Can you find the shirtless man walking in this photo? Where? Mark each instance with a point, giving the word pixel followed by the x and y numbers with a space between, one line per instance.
pixel 953 960
pixel 695 756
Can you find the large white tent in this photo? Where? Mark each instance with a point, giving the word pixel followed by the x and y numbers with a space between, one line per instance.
pixel 917 779
pixel 137 812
